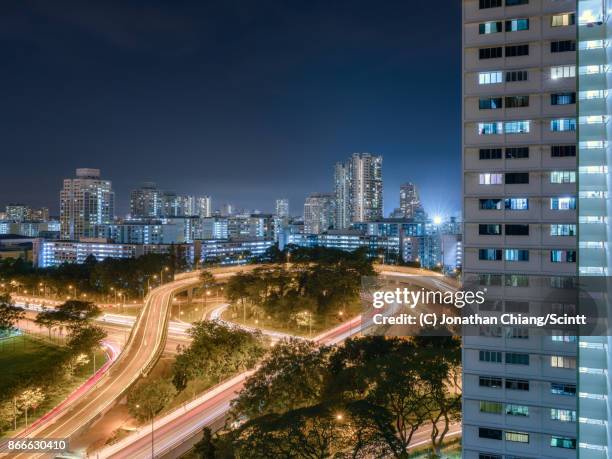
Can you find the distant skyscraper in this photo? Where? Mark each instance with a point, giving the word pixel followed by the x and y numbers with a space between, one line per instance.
pixel 358 187
pixel 40 214
pixel 319 213
pixel 146 201
pixel 282 208
pixel 85 201
pixel 18 212
pixel 409 200
pixel 204 206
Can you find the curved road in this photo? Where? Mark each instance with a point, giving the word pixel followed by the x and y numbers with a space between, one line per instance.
pixel 140 352
pixel 177 431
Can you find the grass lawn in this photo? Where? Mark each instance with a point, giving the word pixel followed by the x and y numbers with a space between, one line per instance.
pixel 24 358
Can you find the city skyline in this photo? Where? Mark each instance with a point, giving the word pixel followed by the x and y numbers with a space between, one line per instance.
pixel 245 119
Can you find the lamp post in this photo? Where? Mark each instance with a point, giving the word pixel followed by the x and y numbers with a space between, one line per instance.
pixel 152 431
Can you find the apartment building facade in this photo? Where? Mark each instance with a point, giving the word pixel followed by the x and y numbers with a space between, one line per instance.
pixel 520 223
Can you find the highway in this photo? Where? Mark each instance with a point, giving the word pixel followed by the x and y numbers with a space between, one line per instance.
pixel 140 352
pixel 175 432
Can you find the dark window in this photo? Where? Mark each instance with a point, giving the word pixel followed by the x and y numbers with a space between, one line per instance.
pixel 517 50
pixel 517 152
pixel 517 101
pixel 563 389
pixel 516 2
pixel 490 381
pixel 490 204
pixel 562 46
pixel 490 254
pixel 490 53
pixel 489 4
pixel 490 356
pixel 489 279
pixel 517 384
pixel 517 230
pixel 514 178
pixel 516 306
pixel 491 230
pixel 493 434
pixel 491 305
pixel 516 358
pixel 516 280
pixel 564 98
pixel 490 103
pixel 489 456
pixel 517 75
pixel 558 151
pixel 490 153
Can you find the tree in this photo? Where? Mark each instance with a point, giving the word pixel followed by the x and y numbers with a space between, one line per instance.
pixel 30 399
pixel 385 373
pixel 86 339
pixel 309 433
pixel 47 319
pixel 205 448
pixel 290 377
pixel 149 397
pixel 216 351
pixel 9 314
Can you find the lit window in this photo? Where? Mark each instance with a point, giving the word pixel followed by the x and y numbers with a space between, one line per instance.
pixel 563 230
pixel 561 20
pixel 516 255
pixel 560 361
pixel 495 127
pixel 563 256
pixel 489 27
pixel 490 77
pixel 516 127
pixel 563 71
pixel 563 177
pixel 517 410
pixel 514 25
pixel 490 255
pixel 520 437
pixel 562 415
pixel 516 203
pixel 490 179
pixel 563 203
pixel 563 124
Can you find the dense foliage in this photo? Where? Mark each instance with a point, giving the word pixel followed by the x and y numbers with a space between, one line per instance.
pixel 217 351
pixel 97 279
pixel 366 398
pixel 316 285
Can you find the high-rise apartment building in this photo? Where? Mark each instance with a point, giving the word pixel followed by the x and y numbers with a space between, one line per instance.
pixel 146 201
pixel 282 208
pixel 520 221
pixel 358 188
pixel 204 206
pixel 319 213
pixel 410 202
pixel 85 201
pixel 18 212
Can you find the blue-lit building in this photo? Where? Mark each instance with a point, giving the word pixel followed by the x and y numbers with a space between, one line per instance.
pixel 228 252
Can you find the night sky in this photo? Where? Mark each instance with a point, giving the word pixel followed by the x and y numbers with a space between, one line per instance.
pixel 245 101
